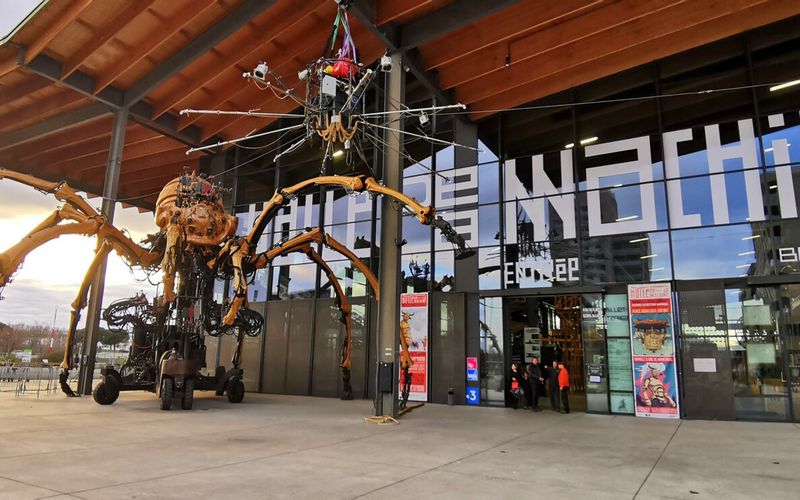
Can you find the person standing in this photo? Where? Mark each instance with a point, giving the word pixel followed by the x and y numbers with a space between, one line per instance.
pixel 552 386
pixel 563 386
pixel 536 379
pixel 516 381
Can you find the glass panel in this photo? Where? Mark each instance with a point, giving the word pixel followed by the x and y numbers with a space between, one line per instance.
pixel 492 363
pixel 415 272
pixel 328 339
pixel 444 277
pixel 756 354
pixel 294 281
pixel 790 323
pixel 352 281
pixel 620 369
pixel 626 258
pixel 541 265
pixel 489 181
pixel 593 326
pixel 489 275
pixel 722 252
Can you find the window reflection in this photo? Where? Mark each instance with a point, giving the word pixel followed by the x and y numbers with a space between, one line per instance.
pixel 721 252
pixel 415 272
pixel 755 348
pixel 491 365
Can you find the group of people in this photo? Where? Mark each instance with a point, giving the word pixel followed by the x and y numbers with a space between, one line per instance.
pixel 528 385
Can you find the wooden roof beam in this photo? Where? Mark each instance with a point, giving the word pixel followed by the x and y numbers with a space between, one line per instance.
pixel 673 19
pixel 52 125
pixel 131 151
pixel 109 30
pixel 22 89
pixel 74 135
pixel 162 31
pixel 507 57
pixel 75 9
pixel 255 47
pixel 711 30
pixel 386 12
pixel 219 31
pixel 82 152
pixel 112 97
pixel 525 17
pixel 449 19
pixel 47 106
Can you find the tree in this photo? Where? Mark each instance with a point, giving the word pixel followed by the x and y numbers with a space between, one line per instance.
pixel 112 339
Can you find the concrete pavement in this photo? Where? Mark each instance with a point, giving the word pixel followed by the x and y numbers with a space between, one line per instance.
pixel 296 447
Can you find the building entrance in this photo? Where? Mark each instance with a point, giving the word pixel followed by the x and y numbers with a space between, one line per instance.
pixel 549 328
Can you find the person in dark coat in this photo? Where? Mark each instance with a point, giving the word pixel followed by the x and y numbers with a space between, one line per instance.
pixel 516 386
pixel 536 379
pixel 552 386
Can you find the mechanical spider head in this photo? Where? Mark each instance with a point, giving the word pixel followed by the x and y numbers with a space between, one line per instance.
pixel 194 203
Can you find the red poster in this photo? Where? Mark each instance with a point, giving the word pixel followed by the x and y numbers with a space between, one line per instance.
pixel 414 344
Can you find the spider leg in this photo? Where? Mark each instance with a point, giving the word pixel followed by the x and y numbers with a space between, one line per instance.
pixel 75 314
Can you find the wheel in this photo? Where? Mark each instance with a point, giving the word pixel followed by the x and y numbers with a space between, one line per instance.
pixel 167 386
pixel 235 390
pixel 188 394
pixel 106 392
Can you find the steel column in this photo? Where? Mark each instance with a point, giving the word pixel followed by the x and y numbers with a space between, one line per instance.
pixel 96 297
pixel 391 233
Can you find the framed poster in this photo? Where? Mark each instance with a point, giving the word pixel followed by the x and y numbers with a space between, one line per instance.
pixel 414 328
pixel 655 378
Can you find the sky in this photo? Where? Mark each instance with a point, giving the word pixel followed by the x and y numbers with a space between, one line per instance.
pixel 14 11
pixel 50 276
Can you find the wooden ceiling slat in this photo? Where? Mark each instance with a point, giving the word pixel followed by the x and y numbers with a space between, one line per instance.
pixel 22 89
pixel 389 11
pixel 520 50
pixel 8 63
pixel 214 64
pixel 162 31
pixel 40 109
pixel 656 48
pixel 153 179
pixel 77 153
pixel 132 151
pixel 280 53
pixel 67 137
pixel 369 48
pixel 659 24
pixel 76 7
pixel 107 32
pixel 526 17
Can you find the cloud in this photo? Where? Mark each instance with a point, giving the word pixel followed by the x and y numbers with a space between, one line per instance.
pixel 51 275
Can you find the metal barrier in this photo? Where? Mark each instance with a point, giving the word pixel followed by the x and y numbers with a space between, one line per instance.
pixel 28 380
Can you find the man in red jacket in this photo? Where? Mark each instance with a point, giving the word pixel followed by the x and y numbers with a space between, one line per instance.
pixel 563 385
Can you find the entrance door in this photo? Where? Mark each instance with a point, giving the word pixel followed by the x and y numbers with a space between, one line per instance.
pixel 708 390
pixel 790 319
pixel 548 327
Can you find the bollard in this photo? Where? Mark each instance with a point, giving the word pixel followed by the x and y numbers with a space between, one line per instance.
pixel 451 396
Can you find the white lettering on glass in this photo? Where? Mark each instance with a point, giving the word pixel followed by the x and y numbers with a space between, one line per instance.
pixel 642 166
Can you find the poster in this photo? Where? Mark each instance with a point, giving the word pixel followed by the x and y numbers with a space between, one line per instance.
pixel 414 328
pixel 655 378
pixel 472 369
pixel 619 365
pixel 532 341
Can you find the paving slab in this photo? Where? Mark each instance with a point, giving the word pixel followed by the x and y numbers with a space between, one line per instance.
pixel 299 447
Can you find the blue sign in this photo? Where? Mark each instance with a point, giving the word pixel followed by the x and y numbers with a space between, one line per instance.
pixel 472 375
pixel 473 395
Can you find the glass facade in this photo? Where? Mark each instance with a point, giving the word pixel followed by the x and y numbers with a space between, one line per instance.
pixel 644 176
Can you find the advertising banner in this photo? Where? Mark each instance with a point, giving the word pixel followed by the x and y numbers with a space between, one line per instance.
pixel 414 329
pixel 472 369
pixel 655 378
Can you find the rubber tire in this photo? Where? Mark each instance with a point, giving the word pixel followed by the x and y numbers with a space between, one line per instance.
pixel 235 390
pixel 167 391
pixel 188 395
pixel 106 392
